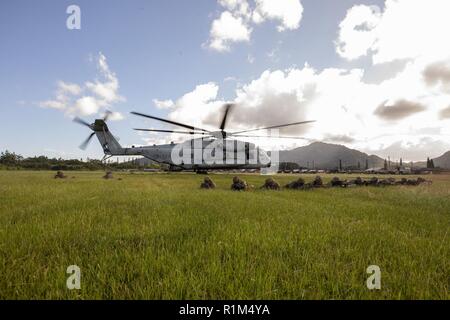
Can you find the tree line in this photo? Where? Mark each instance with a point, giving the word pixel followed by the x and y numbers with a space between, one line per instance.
pixel 12 161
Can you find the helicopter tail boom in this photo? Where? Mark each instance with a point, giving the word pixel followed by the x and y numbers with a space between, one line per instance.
pixel 108 142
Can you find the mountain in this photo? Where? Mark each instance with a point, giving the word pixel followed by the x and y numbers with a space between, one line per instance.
pixel 327 156
pixel 443 161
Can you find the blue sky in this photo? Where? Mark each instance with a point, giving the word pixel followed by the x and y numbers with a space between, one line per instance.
pixel 156 49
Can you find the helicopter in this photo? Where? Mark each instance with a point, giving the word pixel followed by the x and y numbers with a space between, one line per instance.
pixel 206 150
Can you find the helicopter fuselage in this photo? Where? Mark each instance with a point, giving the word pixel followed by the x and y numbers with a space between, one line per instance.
pixel 202 154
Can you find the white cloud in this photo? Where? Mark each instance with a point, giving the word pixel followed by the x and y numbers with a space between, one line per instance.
pixel 405 29
pixel 288 12
pixel 239 7
pixel 69 88
pixel 163 104
pixel 229 4
pixel 91 98
pixel 198 106
pixel 87 105
pixel 415 99
pixel 62 96
pixel 356 31
pixel 234 24
pixel 116 116
pixel 399 111
pixel 53 104
pixel 228 29
pixel 230 79
pixel 106 90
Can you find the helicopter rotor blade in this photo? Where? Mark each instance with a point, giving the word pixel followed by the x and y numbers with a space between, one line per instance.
pixel 270 137
pixel 274 127
pixel 228 107
pixel 82 122
pixel 107 115
pixel 168 121
pixel 169 131
pixel 84 145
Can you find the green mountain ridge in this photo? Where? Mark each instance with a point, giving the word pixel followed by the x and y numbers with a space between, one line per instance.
pixel 326 156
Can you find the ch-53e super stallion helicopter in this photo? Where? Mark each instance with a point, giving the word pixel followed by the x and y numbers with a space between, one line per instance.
pixel 208 150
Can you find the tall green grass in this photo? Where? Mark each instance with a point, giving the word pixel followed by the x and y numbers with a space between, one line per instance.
pixel 158 236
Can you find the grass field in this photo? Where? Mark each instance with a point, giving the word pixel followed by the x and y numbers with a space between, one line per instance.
pixel 158 236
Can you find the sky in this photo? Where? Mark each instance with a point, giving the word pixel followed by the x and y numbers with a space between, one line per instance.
pixel 374 74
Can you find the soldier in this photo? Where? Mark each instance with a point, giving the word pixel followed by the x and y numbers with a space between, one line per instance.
pixel 317 182
pixel 298 184
pixel 391 181
pixel 208 184
pixel 356 182
pixel 108 175
pixel 412 182
pixel 336 182
pixel 359 181
pixel 239 185
pixel 421 180
pixel 308 186
pixel 271 184
pixel 373 181
pixel 60 175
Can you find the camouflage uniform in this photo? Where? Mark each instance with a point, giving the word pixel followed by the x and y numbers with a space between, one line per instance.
pixel 271 184
pixel 60 175
pixel 239 185
pixel 208 184
pixel 298 184
pixel 317 182
pixel 108 175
